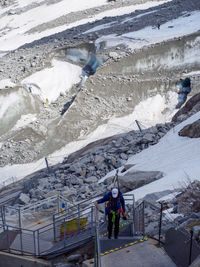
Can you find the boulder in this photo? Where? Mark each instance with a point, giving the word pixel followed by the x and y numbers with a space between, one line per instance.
pixel 24 199
pixel 191 130
pixel 192 105
pixel 196 230
pixel 153 130
pixel 43 183
pixel 74 258
pixel 74 180
pixel 91 180
pixel 76 168
pixel 58 186
pixel 99 159
pixel 51 194
pixel 69 193
pixel 134 178
pixel 148 137
pixel 82 189
pixel 153 197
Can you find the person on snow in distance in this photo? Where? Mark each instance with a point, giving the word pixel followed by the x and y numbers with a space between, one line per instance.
pixel 115 206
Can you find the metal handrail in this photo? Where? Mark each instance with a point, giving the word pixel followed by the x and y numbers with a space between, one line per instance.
pixel 64 217
pixel 41 233
pixel 60 215
pixel 18 228
pixel 78 205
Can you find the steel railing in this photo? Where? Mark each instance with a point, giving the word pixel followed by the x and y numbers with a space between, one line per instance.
pixel 37 242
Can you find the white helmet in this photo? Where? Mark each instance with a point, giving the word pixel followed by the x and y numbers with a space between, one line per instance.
pixel 115 192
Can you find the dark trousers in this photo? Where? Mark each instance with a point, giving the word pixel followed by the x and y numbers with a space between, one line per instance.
pixel 110 225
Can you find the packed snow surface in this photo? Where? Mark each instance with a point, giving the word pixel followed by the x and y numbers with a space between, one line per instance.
pixel 12 37
pixel 151 35
pixel 24 121
pixel 13 99
pixel 50 82
pixel 176 156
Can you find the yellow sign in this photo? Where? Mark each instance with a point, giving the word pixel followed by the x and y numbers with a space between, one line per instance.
pixel 72 227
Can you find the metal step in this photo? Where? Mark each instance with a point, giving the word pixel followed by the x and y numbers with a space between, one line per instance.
pixel 111 244
pixel 68 244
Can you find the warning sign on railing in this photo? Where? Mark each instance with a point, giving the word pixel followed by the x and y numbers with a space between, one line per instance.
pixel 72 227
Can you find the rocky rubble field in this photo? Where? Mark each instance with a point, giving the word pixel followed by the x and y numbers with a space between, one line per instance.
pixel 77 177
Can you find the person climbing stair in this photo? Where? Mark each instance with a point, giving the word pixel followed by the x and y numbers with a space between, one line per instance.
pixel 115 206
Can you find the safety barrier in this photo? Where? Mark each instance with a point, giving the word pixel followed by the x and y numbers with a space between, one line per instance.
pixel 17 216
pixel 40 241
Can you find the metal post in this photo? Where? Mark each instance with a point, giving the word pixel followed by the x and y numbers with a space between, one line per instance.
pixel 160 222
pixel 54 228
pixel 99 249
pixel 95 251
pixel 140 219
pixel 4 214
pixel 8 239
pixel 143 223
pixel 38 242
pixel 190 255
pixel 34 243
pixel 136 221
pixel 134 217
pixel 2 218
pixel 92 213
pixel 105 212
pixel 138 125
pixel 21 241
pixel 95 241
pixel 64 232
pixel 58 206
pixel 47 164
pixel 19 217
pixel 79 221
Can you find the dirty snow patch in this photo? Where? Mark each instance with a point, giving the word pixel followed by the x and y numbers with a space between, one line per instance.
pixel 6 83
pixel 51 82
pixel 24 121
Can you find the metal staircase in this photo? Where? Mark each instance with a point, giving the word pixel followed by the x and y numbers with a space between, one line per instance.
pixel 69 229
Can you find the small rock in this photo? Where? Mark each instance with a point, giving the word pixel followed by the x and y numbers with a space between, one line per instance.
pixel 114 55
pixel 64 265
pixel 74 258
